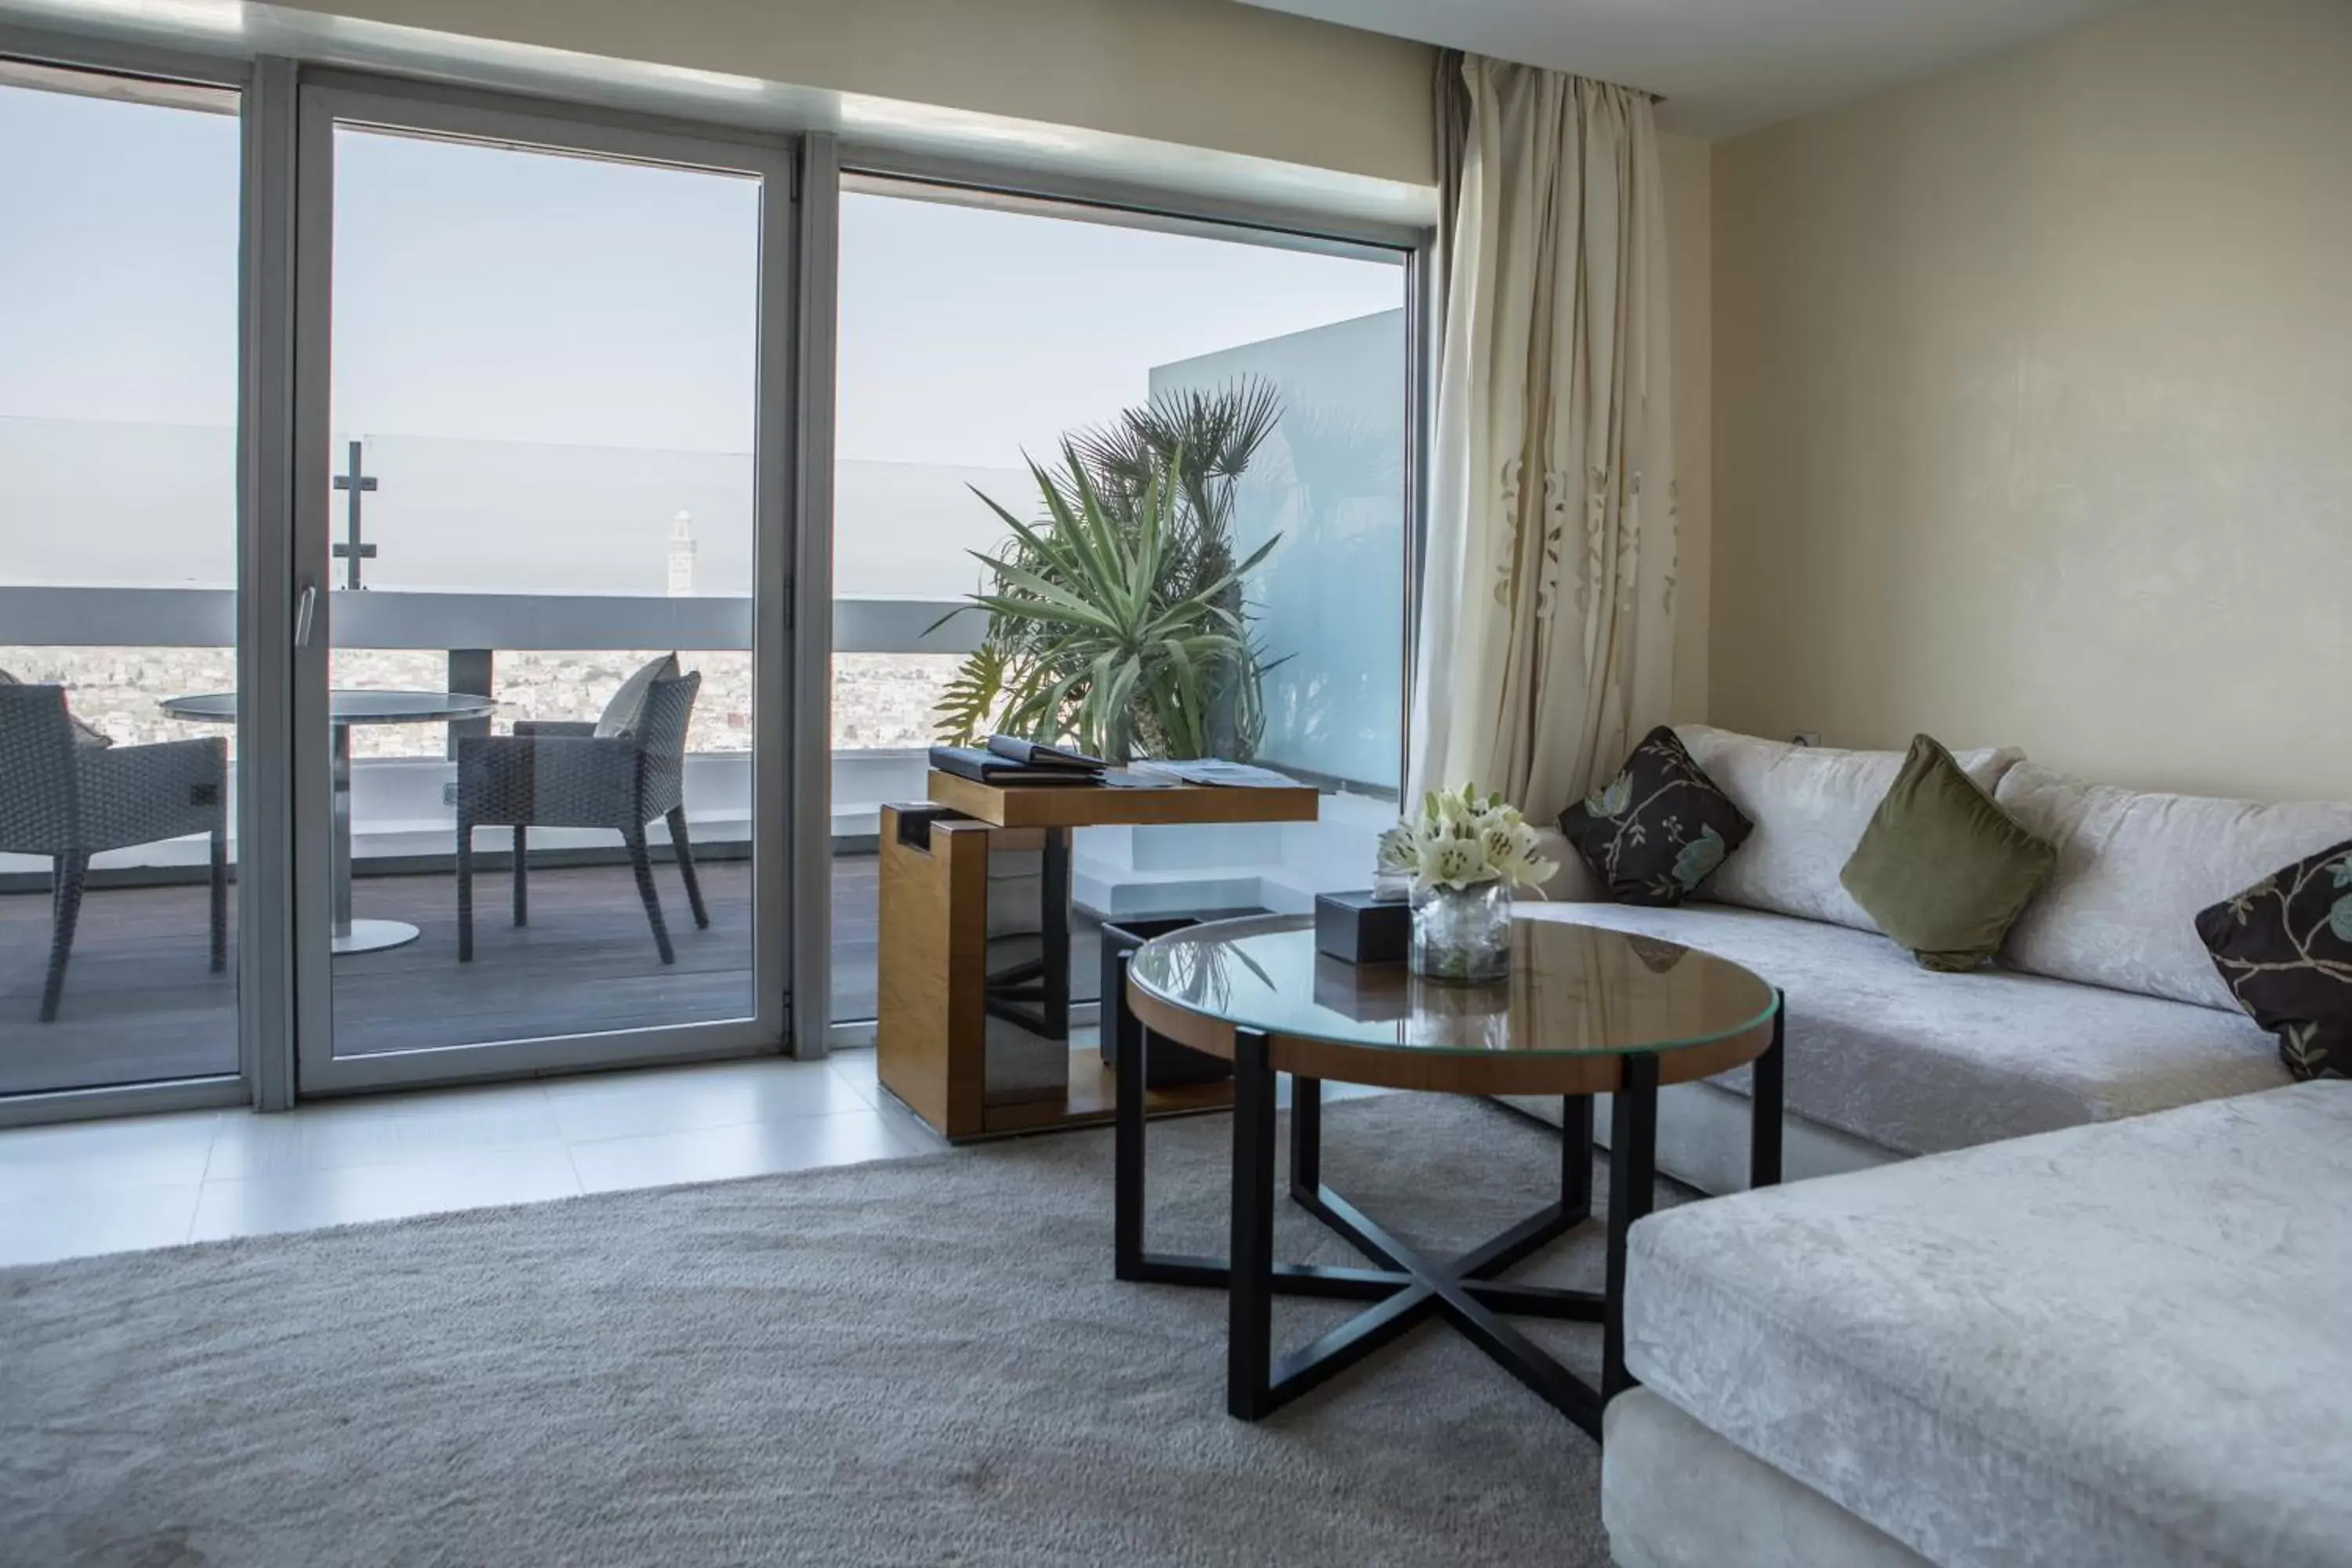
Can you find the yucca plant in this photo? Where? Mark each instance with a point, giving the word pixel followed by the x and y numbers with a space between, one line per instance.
pixel 1087 642
pixel 1205 439
pixel 1117 619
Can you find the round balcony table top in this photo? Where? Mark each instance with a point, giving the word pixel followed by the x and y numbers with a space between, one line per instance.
pixel 349 705
pixel 1579 999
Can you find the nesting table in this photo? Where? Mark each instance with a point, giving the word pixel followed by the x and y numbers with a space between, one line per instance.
pixel 937 1004
pixel 1586 1011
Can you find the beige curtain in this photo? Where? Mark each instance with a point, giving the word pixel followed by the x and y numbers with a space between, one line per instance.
pixel 1546 643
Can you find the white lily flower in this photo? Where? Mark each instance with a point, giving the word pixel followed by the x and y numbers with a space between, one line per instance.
pixel 1456 864
pixel 1461 839
pixel 1399 850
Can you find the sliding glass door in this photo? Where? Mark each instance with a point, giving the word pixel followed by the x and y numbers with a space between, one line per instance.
pixel 119 343
pixel 541 560
pixel 982 332
pixel 403 496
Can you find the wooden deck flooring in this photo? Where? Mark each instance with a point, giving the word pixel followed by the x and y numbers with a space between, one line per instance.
pixel 139 1004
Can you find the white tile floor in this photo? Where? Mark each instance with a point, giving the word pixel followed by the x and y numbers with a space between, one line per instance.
pixel 154 1181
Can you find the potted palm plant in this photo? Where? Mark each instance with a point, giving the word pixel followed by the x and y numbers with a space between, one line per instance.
pixel 1117 620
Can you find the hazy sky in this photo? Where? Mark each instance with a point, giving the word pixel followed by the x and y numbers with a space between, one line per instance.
pixel 491 294
pixel 118 260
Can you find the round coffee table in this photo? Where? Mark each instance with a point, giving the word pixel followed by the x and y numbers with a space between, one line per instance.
pixel 347 706
pixel 1586 1011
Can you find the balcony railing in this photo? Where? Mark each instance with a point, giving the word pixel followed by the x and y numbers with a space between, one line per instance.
pixel 402 618
pixel 401 810
pixel 398 801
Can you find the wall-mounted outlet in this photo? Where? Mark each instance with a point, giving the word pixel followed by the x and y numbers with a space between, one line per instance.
pixel 1807 737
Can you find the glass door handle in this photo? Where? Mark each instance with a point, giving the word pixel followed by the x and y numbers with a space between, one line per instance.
pixel 306 611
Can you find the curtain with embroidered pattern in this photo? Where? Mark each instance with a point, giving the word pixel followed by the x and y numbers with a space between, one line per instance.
pixel 1546 646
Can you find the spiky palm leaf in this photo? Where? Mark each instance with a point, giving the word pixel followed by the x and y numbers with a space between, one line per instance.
pixel 1085 593
pixel 1217 432
pixel 1135 523
pixel 964 715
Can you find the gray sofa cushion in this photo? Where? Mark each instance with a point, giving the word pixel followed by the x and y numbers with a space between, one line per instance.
pixel 2134 868
pixel 2111 1344
pixel 1919 1062
pixel 1810 805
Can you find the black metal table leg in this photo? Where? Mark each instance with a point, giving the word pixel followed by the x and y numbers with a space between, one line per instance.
pixel 1633 1173
pixel 1131 1260
pixel 1576 1155
pixel 1405 1289
pixel 1127 1064
pixel 1306 1137
pixel 1249 1345
pixel 1056 911
pixel 1768 1092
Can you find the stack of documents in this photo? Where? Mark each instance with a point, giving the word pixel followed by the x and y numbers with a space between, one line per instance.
pixel 1214 771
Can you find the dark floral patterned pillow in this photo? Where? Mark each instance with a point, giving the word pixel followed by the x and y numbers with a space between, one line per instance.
pixel 1658 829
pixel 2284 948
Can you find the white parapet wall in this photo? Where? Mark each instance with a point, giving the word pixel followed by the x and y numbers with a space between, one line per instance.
pixel 1136 871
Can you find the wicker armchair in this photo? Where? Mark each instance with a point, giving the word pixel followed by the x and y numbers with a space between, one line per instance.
pixel 70 801
pixel 566 775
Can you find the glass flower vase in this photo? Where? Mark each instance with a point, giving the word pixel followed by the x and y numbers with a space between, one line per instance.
pixel 1463 936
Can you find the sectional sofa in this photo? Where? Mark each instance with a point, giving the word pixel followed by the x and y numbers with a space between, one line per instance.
pixel 2104 1003
pixel 2093 1325
pixel 2118 1344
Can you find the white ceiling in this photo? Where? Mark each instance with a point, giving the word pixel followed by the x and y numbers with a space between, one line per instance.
pixel 1724 66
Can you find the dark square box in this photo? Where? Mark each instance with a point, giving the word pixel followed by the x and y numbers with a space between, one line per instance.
pixel 1353 928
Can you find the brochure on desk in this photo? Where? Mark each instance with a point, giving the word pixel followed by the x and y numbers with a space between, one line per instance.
pixel 1218 772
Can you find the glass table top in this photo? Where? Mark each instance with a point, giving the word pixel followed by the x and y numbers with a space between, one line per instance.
pixel 1574 990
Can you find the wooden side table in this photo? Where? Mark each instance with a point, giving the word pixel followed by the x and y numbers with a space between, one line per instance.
pixel 933 1016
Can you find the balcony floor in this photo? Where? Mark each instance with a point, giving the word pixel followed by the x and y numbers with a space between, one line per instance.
pixel 139 1004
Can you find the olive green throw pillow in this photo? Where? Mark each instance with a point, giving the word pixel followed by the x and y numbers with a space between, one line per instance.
pixel 1943 869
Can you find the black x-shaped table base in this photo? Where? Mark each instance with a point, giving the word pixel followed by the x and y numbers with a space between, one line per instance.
pixel 1406 1288
pixel 1409 1289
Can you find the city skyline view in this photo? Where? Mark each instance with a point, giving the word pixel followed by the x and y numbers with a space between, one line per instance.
pixel 547 359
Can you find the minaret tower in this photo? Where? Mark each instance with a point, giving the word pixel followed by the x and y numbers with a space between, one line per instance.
pixel 681 556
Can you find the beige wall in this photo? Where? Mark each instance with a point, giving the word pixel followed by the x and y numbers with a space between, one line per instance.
pixel 2034 406
pixel 1199 73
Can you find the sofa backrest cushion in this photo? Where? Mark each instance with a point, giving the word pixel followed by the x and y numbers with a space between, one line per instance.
pixel 1572 883
pixel 2133 870
pixel 1810 806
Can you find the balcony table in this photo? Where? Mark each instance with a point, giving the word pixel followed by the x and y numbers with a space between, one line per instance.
pixel 347 706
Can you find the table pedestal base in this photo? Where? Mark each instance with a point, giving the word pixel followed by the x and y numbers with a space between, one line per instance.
pixel 374 936
pixel 1406 1287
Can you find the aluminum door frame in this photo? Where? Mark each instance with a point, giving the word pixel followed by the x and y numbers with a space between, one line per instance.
pixel 265 114
pixel 331 97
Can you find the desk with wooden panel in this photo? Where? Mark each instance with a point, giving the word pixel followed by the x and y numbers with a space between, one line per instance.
pixel 931 1041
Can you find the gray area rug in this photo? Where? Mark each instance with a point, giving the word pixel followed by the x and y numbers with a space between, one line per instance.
pixel 920 1362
